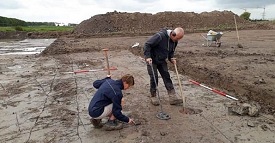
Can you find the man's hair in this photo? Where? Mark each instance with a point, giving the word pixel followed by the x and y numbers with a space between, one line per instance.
pixel 129 79
pixel 179 31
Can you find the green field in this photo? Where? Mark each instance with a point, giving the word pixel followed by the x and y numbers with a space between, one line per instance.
pixel 37 28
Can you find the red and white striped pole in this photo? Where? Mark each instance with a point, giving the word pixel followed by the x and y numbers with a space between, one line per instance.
pixel 214 90
pixel 94 70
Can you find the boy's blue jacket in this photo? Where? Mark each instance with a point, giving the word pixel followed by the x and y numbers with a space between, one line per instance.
pixel 109 91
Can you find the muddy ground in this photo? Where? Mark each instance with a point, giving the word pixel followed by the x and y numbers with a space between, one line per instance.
pixel 41 103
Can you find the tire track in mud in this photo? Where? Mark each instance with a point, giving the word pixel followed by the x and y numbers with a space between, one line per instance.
pixel 72 62
pixel 77 104
pixel 46 122
pixel 44 104
pixel 76 63
pixel 45 100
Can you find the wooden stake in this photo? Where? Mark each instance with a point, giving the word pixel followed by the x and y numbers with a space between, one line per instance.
pixel 237 29
pixel 107 61
pixel 181 92
pixel 239 45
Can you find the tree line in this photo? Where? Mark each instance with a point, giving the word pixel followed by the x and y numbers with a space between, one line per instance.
pixel 5 21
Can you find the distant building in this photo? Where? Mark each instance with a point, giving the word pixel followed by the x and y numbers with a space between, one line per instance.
pixel 60 24
pixel 72 24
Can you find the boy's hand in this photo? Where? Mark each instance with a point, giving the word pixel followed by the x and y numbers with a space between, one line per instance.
pixel 131 121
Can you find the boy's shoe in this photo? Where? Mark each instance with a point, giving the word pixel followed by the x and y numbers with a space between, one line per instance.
pixel 96 123
pixel 112 125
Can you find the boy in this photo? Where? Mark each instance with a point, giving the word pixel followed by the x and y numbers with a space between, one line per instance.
pixel 107 102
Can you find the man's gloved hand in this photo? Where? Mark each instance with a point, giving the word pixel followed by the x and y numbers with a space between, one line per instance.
pixel 149 60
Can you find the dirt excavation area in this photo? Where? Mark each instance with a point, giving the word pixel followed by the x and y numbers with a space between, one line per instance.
pixel 40 102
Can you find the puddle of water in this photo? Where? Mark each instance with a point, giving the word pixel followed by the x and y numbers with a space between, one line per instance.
pixel 20 53
pixel 27 46
pixel 15 67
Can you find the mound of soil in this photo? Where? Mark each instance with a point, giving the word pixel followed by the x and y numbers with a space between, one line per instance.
pixel 121 22
pixel 134 24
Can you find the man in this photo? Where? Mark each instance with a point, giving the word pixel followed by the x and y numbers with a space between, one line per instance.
pixel 107 102
pixel 157 49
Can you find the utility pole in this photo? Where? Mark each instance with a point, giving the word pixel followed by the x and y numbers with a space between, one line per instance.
pixel 263 14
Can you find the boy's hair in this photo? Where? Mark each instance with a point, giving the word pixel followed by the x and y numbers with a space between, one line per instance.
pixel 129 79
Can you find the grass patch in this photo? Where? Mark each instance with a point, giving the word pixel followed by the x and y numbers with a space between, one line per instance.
pixel 39 28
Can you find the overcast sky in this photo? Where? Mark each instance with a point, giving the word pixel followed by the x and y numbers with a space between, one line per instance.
pixel 75 11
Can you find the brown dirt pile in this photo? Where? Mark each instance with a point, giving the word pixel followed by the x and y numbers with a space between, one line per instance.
pixel 122 22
